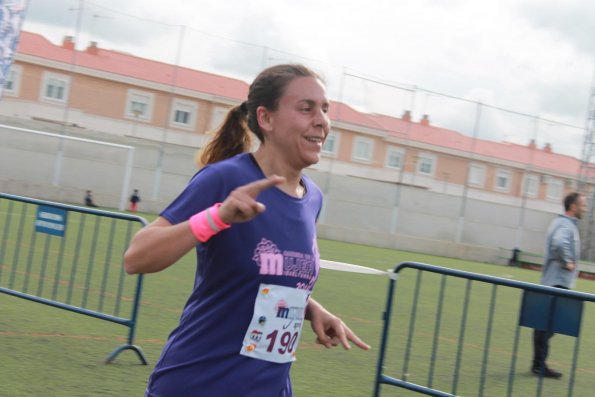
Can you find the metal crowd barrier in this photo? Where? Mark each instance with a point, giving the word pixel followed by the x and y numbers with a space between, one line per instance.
pixel 459 333
pixel 71 258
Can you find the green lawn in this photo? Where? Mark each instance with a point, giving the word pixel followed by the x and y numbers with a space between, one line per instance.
pixel 51 352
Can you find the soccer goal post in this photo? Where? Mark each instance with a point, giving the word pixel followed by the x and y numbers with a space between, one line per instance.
pixel 73 163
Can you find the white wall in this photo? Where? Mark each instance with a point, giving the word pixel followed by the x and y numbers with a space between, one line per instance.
pixel 356 209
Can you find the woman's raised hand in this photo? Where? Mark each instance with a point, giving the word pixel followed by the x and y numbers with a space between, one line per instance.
pixel 241 204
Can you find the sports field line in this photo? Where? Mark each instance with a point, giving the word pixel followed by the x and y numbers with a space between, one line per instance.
pixel 304 345
pixel 73 336
pixel 496 350
pixel 62 282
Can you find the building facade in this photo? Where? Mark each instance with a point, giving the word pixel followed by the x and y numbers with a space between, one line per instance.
pixel 105 90
pixel 429 186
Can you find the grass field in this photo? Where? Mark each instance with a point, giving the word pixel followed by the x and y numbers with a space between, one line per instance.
pixel 46 351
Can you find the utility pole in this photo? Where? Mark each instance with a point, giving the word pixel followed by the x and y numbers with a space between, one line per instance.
pixel 587 173
pixel 58 160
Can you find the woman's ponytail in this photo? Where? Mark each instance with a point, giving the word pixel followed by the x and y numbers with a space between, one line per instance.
pixel 232 138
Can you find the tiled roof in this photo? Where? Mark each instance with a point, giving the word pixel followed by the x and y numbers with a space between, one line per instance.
pixel 135 67
pixel 159 72
pixel 537 158
pixel 346 114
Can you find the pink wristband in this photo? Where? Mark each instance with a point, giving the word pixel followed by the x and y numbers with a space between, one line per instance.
pixel 207 223
pixel 214 216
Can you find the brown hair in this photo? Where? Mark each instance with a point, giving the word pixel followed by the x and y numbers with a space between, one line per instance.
pixel 571 198
pixel 266 90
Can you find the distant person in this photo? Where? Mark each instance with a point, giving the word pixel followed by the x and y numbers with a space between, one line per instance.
pixel 89 199
pixel 560 270
pixel 251 218
pixel 134 200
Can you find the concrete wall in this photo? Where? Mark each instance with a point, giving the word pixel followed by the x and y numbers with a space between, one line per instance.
pixel 409 218
pixel 357 210
pixel 27 166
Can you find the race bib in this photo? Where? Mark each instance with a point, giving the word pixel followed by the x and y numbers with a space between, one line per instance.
pixel 275 329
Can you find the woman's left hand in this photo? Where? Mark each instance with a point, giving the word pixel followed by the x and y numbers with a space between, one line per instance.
pixel 330 330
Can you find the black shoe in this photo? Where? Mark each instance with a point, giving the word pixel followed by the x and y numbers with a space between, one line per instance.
pixel 547 372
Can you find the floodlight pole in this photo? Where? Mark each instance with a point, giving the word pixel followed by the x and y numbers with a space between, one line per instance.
pixel 265 56
pixel 327 180
pixel 159 169
pixel 524 186
pixel 463 210
pixel 394 221
pixel 60 154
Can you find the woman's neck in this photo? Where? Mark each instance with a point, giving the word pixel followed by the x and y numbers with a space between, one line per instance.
pixel 270 167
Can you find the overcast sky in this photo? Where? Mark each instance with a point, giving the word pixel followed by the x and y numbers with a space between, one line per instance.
pixel 534 57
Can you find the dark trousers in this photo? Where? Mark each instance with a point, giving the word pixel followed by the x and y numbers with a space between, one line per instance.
pixel 541 344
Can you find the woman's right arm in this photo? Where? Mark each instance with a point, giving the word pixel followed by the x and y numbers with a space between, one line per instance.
pixel 158 246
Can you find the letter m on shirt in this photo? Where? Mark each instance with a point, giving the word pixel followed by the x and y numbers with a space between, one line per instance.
pixel 271 264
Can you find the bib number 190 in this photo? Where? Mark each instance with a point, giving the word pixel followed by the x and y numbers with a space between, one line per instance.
pixel 287 341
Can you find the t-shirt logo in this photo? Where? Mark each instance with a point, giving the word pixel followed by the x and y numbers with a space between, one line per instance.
pixel 274 262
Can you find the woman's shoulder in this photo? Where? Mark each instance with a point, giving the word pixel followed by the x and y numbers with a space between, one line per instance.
pixel 238 168
pixel 311 185
pixel 242 161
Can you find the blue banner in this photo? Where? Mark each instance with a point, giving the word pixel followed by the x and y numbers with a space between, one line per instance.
pixel 12 14
pixel 51 220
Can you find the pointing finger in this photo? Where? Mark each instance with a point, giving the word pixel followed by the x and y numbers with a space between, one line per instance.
pixel 254 188
pixel 356 340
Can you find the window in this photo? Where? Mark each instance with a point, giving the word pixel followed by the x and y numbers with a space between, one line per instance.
pixel 139 105
pixel 9 83
pixel 13 80
pixel 218 116
pixel 182 117
pixel 394 158
pixel 331 145
pixel 138 108
pixel 183 113
pixel 502 181
pixel 426 164
pixel 55 87
pixel 362 149
pixel 531 185
pixel 476 175
pixel 554 189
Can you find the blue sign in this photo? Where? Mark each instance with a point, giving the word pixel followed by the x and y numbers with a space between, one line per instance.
pixel 556 314
pixel 51 220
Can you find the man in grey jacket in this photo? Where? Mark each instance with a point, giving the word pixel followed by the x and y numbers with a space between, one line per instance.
pixel 560 269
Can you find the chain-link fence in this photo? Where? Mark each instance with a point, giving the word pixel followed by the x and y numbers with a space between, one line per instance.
pixel 482 176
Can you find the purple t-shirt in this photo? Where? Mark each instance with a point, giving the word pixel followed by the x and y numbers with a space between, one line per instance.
pixel 202 355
